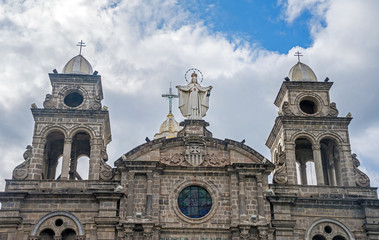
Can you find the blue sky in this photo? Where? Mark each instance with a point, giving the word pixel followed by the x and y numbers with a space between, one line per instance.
pixel 243 48
pixel 259 22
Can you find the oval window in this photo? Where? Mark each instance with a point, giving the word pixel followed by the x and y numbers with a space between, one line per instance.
pixel 73 99
pixel 308 106
pixel 195 202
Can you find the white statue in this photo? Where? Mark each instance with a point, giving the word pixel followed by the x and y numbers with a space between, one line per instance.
pixel 193 99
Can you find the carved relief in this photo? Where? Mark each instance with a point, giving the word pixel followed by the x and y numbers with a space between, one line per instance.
pixel 194 155
pixel 333 110
pixel 96 104
pixel 361 179
pixel 286 109
pixel 213 161
pixel 280 174
pixel 173 160
pixel 21 171
pixel 48 103
pixel 106 171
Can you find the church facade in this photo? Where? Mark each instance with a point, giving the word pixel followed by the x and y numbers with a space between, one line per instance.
pixel 185 184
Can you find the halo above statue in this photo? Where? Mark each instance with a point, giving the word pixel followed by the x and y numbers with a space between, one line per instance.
pixel 196 71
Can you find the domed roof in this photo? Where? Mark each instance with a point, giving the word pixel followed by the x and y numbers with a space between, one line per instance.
pixel 302 72
pixel 169 128
pixel 78 65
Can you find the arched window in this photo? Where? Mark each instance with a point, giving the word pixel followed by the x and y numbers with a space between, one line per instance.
pixel 58 169
pixel 330 162
pixel 53 150
pixel 47 234
pixel 318 237
pixel 304 160
pixel 68 234
pixel 80 151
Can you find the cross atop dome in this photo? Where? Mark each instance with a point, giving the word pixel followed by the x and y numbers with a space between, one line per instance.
pixel 298 55
pixel 81 44
pixel 170 96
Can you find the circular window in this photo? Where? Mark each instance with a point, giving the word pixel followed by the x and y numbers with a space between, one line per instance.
pixel 195 202
pixel 308 106
pixel 328 229
pixel 73 99
pixel 58 222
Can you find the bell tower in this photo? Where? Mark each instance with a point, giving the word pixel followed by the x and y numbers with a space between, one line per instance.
pixel 309 142
pixel 71 124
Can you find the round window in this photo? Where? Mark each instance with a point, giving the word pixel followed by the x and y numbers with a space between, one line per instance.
pixel 308 106
pixel 73 99
pixel 195 202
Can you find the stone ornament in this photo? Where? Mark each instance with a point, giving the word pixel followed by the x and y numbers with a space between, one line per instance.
pixel 194 98
pixel 194 155
pixel 96 104
pixel 286 109
pixel 48 103
pixel 209 160
pixel 106 171
pixel 333 110
pixel 21 171
pixel 361 179
pixel 280 174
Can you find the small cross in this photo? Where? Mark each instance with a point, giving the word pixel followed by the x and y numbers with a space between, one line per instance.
pixel 298 55
pixel 170 96
pixel 81 44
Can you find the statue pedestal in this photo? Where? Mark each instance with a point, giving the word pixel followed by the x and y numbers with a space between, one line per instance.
pixel 194 128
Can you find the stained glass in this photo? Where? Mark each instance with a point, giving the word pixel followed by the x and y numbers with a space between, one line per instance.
pixel 195 202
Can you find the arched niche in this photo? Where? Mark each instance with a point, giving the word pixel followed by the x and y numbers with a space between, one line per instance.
pixel 80 154
pixel 331 162
pixel 52 152
pixel 305 161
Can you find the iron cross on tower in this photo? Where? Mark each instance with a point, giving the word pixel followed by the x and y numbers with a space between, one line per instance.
pixel 170 96
pixel 81 44
pixel 298 55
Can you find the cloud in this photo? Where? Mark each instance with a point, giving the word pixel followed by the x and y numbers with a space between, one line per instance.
pixel 139 47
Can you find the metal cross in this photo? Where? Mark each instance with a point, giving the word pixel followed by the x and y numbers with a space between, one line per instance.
pixel 81 44
pixel 170 96
pixel 298 55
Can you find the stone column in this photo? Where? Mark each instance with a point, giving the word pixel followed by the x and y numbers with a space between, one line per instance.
pixel 291 163
pixel 66 158
pixel 94 159
pixel 242 197
pixel 318 165
pixel 130 197
pixel 261 207
pixel 37 159
pixel 303 173
pixel 149 195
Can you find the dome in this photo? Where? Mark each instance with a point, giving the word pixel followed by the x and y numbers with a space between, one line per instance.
pixel 169 128
pixel 78 65
pixel 302 72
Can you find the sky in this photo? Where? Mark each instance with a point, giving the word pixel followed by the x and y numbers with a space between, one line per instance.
pixel 244 49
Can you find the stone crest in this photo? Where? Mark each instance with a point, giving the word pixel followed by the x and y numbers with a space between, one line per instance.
pixel 194 155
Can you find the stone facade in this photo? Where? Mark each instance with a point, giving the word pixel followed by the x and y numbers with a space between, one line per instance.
pixel 192 186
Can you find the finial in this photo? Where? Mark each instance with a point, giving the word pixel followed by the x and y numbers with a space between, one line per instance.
pixel 298 55
pixel 170 96
pixel 81 44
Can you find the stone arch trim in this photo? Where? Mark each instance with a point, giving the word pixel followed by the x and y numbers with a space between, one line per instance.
pixel 334 136
pixel 49 129
pixel 327 220
pixel 72 88
pixel 317 97
pixel 307 135
pixel 59 213
pixel 83 128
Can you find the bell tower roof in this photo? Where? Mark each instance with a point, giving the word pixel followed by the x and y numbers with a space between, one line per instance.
pixel 302 72
pixel 78 65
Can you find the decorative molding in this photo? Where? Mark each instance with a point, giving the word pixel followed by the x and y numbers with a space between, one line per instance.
pixel 48 103
pixel 333 112
pixel 21 171
pixel 213 161
pixel 361 179
pixel 286 109
pixel 280 174
pixel 106 171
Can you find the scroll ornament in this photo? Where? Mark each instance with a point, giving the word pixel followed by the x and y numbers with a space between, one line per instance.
pixel 21 171
pixel 106 171
pixel 286 109
pixel 333 110
pixel 48 103
pixel 361 179
pixel 280 175
pixel 96 104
